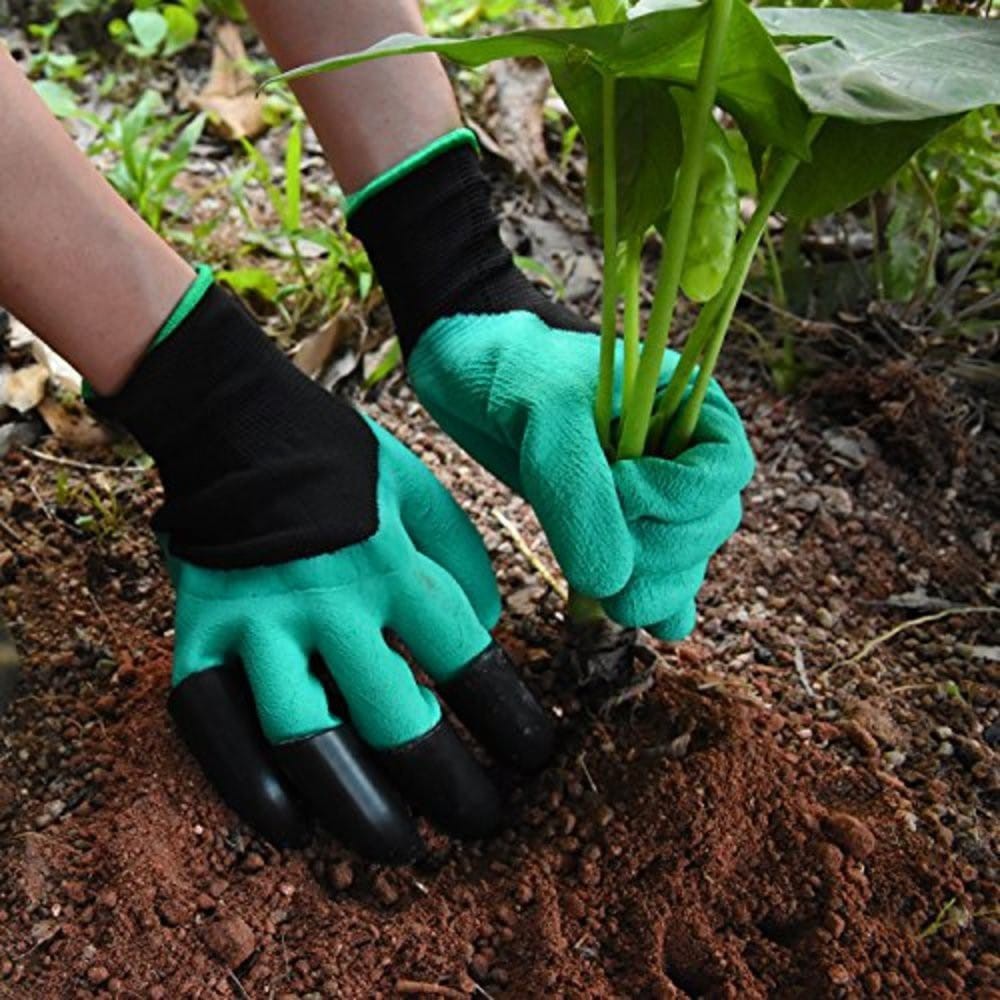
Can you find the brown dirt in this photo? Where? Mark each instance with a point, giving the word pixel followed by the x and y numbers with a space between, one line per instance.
pixel 715 829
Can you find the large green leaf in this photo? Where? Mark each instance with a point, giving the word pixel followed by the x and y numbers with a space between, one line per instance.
pixel 850 161
pixel 881 66
pixel 662 40
pixel 889 82
pixel 648 140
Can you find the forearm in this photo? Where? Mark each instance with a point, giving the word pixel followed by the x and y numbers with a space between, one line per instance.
pixel 368 117
pixel 77 265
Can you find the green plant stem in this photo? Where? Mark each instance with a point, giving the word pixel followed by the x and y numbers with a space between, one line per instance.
pixel 672 396
pixel 683 426
pixel 635 423
pixel 774 266
pixel 583 610
pixel 877 262
pixel 930 206
pixel 609 305
pixel 630 326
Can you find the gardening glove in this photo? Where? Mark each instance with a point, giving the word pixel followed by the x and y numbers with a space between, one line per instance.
pixel 512 377
pixel 300 534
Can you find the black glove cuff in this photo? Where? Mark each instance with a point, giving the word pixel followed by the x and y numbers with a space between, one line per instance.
pixel 259 464
pixel 435 244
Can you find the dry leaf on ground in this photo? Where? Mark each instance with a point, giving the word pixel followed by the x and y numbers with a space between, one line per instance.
pixel 22 389
pixel 333 351
pixel 516 121
pixel 230 96
pixel 70 422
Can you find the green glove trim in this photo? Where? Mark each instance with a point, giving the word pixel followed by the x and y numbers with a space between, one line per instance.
pixel 457 137
pixel 196 290
pixel 194 294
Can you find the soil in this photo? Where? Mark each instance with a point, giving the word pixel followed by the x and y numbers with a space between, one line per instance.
pixel 751 814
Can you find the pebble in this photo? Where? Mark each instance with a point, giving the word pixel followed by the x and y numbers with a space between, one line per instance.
pixel 385 890
pixel 230 940
pixel 839 975
pixel 850 833
pixel 873 982
pixel 341 875
pixel 98 975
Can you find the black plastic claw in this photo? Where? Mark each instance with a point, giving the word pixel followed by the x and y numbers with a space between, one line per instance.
pixel 335 772
pixel 499 710
pixel 215 715
pixel 445 783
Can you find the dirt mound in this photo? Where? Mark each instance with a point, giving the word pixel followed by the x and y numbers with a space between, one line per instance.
pixel 750 814
pixel 689 844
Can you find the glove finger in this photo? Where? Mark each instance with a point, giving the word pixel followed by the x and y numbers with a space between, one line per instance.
pixel 652 597
pixel 497 457
pixel 474 674
pixel 678 626
pixel 435 619
pixel 568 481
pixel 716 466
pixel 662 547
pixel 414 743
pixel 439 529
pixel 329 766
pixel 214 712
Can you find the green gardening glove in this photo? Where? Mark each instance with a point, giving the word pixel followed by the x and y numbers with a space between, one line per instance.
pixel 301 536
pixel 513 377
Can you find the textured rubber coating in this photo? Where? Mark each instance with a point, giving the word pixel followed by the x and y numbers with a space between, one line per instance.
pixel 494 703
pixel 352 796
pixel 215 716
pixel 445 783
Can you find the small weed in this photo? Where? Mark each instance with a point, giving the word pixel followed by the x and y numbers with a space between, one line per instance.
pixel 948 914
pixel 324 266
pixel 99 515
pixel 150 148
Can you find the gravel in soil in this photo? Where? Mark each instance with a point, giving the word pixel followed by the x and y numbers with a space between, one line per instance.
pixel 751 814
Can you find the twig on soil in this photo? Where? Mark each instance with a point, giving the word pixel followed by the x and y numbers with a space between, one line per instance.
pixel 873 644
pixel 73 463
pixel 526 550
pixel 800 670
pixel 582 761
pixel 240 992
pixel 42 505
pixel 943 916
pixel 109 628
pixel 11 532
pixel 409 987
